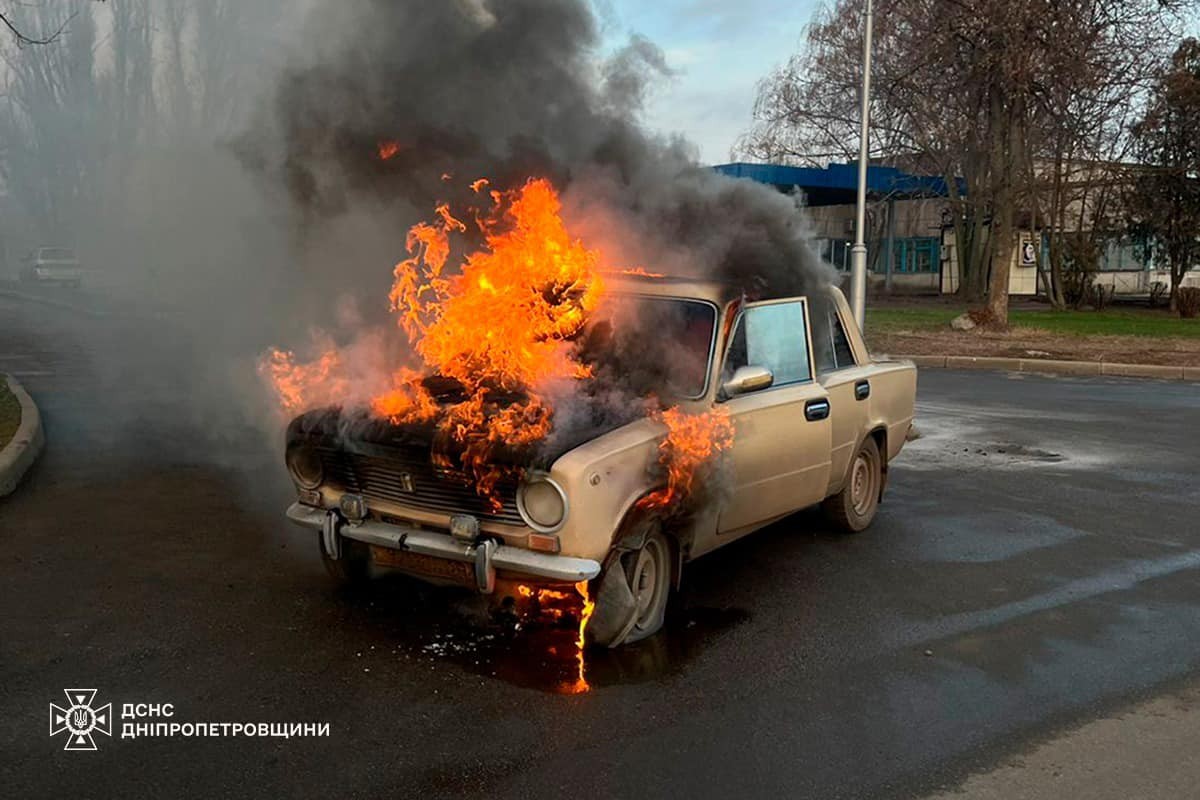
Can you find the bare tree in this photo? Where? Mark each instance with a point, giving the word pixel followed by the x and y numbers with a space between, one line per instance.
pixel 211 50
pixel 83 118
pixel 964 88
pixel 1164 201
pixel 47 120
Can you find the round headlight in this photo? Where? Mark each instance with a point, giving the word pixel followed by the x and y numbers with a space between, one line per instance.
pixel 305 466
pixel 543 504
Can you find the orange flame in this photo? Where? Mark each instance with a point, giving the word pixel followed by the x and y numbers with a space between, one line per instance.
pixel 586 608
pixel 589 606
pixel 499 328
pixel 692 440
pixel 502 324
pixel 302 386
pixel 388 149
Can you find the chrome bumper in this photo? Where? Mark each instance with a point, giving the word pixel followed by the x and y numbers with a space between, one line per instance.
pixel 487 557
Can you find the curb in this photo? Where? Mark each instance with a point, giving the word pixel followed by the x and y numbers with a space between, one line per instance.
pixel 18 455
pixel 52 303
pixel 1053 367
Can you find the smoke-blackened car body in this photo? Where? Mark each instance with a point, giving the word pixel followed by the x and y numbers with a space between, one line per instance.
pixel 775 405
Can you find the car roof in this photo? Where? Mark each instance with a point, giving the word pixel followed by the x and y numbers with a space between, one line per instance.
pixel 641 282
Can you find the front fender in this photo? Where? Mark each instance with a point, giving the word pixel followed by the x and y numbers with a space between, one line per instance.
pixel 603 480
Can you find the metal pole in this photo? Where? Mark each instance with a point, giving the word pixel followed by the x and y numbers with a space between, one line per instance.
pixel 891 243
pixel 858 253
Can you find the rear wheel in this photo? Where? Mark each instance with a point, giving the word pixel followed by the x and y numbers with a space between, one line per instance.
pixel 353 568
pixel 854 507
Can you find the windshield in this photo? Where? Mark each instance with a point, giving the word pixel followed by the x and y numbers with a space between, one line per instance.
pixel 57 254
pixel 652 345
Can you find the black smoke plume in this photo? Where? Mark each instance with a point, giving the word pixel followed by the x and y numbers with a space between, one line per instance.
pixel 509 89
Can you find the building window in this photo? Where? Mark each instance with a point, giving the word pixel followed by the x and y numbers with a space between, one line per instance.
pixel 919 254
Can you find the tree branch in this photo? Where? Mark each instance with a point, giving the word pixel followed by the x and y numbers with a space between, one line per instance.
pixel 25 39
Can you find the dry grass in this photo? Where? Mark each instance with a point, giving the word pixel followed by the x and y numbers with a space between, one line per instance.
pixel 10 414
pixel 1123 335
pixel 1024 342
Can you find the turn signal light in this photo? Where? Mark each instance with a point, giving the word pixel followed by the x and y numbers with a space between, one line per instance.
pixel 354 507
pixel 543 542
pixel 464 527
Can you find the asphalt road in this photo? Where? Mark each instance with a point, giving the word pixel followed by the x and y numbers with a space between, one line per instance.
pixel 1034 565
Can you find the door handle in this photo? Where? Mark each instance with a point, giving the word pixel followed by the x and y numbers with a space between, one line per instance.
pixel 862 390
pixel 816 410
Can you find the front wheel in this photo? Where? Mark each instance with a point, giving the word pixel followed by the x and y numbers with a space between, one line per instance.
pixel 648 571
pixel 634 591
pixel 853 508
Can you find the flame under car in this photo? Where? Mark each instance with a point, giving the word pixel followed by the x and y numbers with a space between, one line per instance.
pixel 810 418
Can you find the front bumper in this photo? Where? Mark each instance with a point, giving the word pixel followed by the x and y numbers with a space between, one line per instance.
pixel 57 273
pixel 487 556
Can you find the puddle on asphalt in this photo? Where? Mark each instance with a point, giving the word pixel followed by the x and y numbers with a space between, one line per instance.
pixel 535 651
pixel 941 448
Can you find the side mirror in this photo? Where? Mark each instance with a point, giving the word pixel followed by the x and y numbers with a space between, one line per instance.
pixel 748 379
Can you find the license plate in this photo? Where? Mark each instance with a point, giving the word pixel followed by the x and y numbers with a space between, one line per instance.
pixel 421 564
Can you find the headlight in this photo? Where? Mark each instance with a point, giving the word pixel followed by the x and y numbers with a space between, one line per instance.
pixel 305 466
pixel 542 503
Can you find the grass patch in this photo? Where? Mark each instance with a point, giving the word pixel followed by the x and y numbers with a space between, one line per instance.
pixel 1116 322
pixel 10 414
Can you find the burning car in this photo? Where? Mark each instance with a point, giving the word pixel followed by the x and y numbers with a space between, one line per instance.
pixel 579 429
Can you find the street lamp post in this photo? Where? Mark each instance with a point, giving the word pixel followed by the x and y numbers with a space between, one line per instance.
pixel 858 253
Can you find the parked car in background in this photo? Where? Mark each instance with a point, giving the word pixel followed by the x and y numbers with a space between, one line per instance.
pixel 52 265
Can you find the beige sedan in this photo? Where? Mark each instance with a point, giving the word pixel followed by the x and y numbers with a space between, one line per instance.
pixel 815 420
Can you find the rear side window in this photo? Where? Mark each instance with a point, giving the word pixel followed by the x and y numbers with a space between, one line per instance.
pixel 841 343
pixel 831 344
pixel 772 336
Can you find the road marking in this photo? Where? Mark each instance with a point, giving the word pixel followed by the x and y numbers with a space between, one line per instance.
pixel 1120 579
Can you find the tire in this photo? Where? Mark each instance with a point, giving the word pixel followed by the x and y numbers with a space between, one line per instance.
pixel 648 571
pixel 854 507
pixel 353 568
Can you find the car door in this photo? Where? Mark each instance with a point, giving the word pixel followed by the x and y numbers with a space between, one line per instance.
pixel 847 382
pixel 780 457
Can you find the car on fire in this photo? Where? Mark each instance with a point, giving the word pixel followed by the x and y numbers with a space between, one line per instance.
pixel 815 419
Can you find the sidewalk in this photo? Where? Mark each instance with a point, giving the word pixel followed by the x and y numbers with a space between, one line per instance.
pixel 1149 752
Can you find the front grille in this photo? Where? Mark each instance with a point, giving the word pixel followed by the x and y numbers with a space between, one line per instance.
pixel 383 477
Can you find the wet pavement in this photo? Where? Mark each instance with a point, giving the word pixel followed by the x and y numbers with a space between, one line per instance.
pixel 1034 565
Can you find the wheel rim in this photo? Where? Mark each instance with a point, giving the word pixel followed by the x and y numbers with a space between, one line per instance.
pixel 862 484
pixel 648 580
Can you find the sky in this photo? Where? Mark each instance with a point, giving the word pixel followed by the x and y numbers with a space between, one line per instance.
pixel 719 50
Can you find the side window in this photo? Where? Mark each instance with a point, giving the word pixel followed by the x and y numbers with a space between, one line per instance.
pixel 823 343
pixel 772 336
pixel 736 356
pixel 841 343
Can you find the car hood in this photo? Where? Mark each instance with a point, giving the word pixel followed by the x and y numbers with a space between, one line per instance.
pixel 581 421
